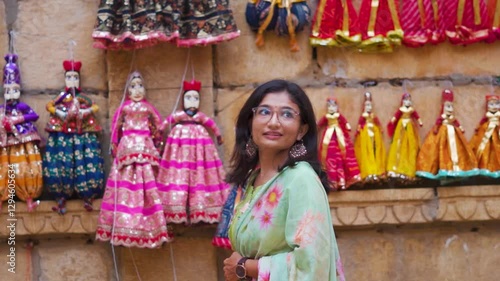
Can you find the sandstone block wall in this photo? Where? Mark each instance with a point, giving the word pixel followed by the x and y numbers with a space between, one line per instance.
pixel 229 72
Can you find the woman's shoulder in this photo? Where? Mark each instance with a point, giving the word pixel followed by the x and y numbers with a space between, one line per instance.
pixel 301 171
pixel 300 176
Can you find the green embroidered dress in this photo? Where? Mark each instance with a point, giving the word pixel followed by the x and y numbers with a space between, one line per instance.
pixel 286 224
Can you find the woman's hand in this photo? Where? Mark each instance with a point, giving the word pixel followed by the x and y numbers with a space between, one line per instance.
pixel 230 267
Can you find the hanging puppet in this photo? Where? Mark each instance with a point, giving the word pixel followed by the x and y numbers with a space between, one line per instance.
pixel 494 20
pixel 19 140
pixel 486 140
pixel 445 151
pixel 466 21
pixel 402 158
pixel 191 177
pixel 369 144
pixel 335 24
pixel 380 26
pixel 423 22
pixel 336 151
pixel 137 24
pixel 131 210
pixel 73 164
pixel 284 17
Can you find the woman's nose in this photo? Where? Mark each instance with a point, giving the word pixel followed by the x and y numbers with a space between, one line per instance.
pixel 274 121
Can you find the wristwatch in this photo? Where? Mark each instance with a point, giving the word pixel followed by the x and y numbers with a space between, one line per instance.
pixel 241 270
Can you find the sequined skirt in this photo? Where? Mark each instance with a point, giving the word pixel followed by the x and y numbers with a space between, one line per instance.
pixel 131 211
pixel 191 176
pixel 73 164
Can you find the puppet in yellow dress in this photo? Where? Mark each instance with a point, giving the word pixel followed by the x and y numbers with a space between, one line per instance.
pixel 486 140
pixel 369 144
pixel 402 158
pixel 445 151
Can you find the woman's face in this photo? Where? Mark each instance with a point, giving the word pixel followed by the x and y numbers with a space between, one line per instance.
pixel 191 100
pixel 72 79
pixel 136 89
pixel 332 107
pixel 276 124
pixel 12 91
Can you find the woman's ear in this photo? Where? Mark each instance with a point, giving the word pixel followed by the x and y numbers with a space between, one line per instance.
pixel 302 131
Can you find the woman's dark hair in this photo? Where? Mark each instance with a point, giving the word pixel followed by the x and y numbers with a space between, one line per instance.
pixel 241 164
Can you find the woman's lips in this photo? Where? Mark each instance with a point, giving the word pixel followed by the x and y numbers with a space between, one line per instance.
pixel 272 135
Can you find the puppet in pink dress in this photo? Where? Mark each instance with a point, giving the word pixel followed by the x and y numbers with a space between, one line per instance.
pixel 423 22
pixel 466 21
pixel 336 151
pixel 131 211
pixel 191 177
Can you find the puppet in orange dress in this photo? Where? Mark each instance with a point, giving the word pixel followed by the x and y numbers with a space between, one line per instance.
pixel 335 24
pixel 445 151
pixel 466 21
pixel 402 158
pixel 380 26
pixel 20 160
pixel 369 144
pixel 336 150
pixel 486 140
pixel 423 22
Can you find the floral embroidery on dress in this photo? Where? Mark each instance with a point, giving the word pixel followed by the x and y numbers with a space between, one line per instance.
pixel 266 220
pixel 307 228
pixel 264 276
pixel 274 196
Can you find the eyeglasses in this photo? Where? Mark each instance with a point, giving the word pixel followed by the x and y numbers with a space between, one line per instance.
pixel 285 114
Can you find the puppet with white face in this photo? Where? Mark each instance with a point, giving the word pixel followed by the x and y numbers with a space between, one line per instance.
pixel 134 138
pixel 73 162
pixel 337 154
pixel 402 157
pixel 19 140
pixel 486 140
pixel 445 152
pixel 369 144
pixel 191 176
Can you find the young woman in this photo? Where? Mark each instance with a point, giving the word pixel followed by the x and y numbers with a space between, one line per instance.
pixel 282 227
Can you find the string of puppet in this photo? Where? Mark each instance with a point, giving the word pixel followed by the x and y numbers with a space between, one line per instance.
pixel 115 191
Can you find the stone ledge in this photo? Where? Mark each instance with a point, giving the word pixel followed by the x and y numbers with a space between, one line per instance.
pixel 361 208
pixel 350 209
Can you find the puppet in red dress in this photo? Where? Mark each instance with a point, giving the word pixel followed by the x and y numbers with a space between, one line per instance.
pixel 380 26
pixel 423 22
pixel 335 24
pixel 336 149
pixel 466 21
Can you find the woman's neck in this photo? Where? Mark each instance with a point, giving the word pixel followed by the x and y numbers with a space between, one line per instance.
pixel 269 164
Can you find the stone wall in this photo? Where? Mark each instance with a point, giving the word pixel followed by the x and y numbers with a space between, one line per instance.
pixel 429 233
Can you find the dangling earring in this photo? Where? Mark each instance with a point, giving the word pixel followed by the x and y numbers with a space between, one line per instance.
pixel 251 148
pixel 298 150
